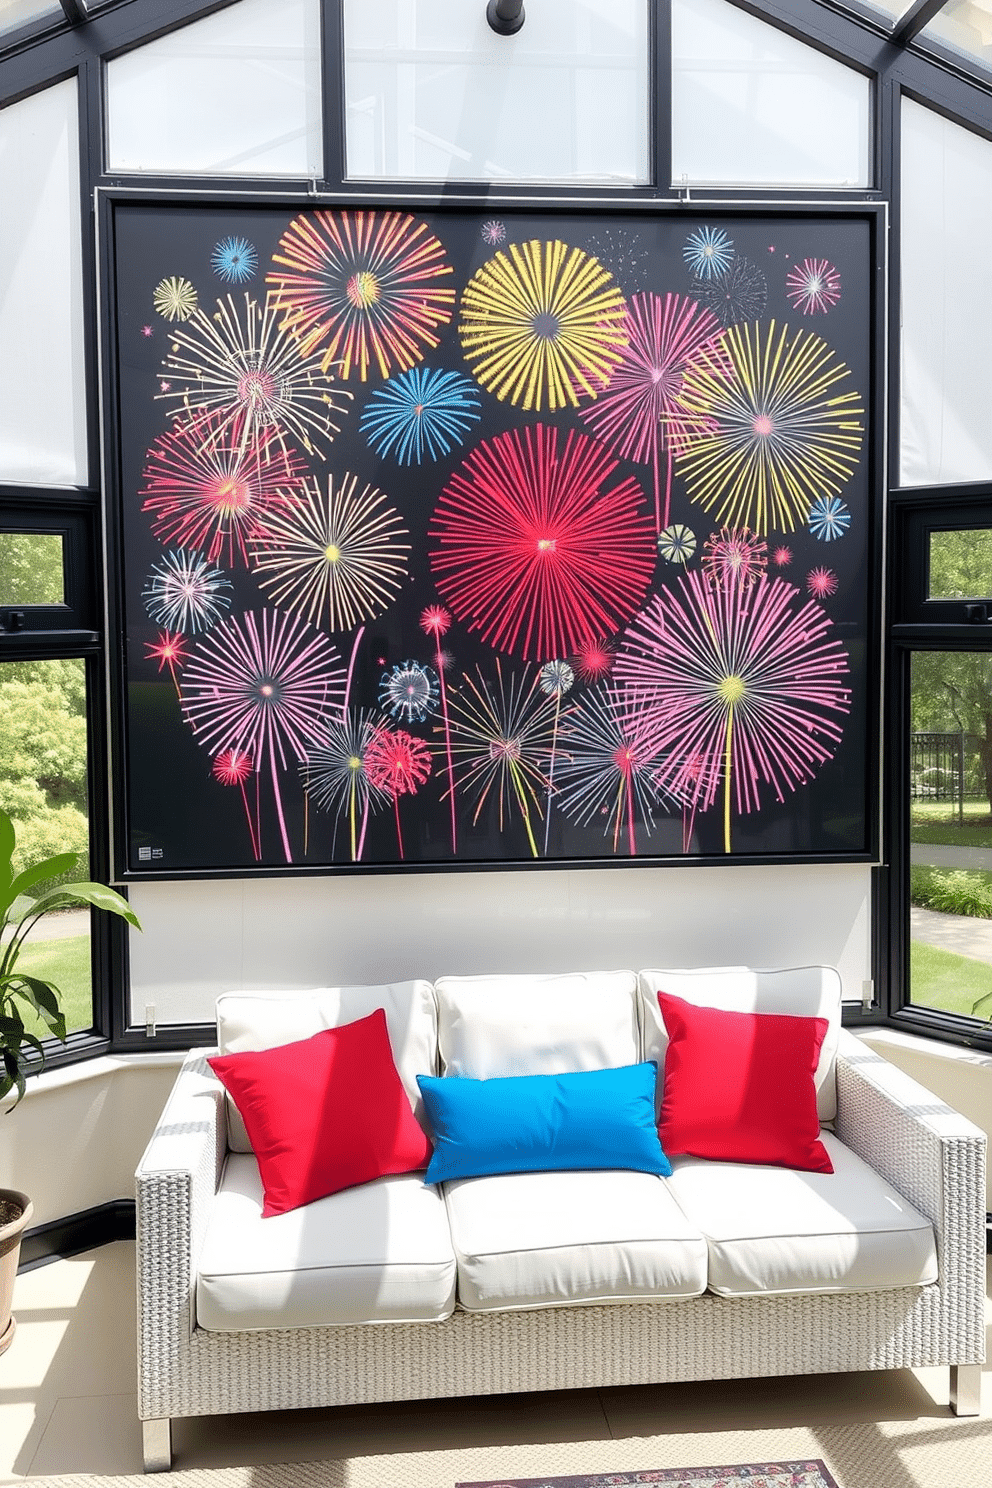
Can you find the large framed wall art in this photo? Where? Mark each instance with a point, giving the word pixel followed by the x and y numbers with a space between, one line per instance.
pixel 475 537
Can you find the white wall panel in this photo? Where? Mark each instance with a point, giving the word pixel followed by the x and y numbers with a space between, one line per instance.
pixel 202 938
pixel 42 369
pixel 946 396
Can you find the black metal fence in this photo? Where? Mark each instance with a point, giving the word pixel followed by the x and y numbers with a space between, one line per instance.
pixel 946 767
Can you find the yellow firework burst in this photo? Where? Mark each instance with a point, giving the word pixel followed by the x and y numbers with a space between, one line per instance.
pixel 541 324
pixel 175 298
pixel 778 426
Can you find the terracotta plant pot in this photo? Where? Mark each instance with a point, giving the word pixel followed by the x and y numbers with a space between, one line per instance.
pixel 16 1210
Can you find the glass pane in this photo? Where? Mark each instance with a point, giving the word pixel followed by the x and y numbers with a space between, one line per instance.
pixel 433 93
pixel 966 26
pixel 43 790
pixel 946 432
pixel 42 367
pixel 950 807
pixel 960 565
pixel 31 571
pixel 237 93
pixel 14 13
pixel 753 106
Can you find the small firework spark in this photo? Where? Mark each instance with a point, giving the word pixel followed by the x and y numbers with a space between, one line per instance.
pixel 175 298
pixel 594 660
pixel 493 233
pixel 147 331
pixel 397 764
pixel 186 593
pixel 169 650
pixel 813 287
pixel 734 555
pixel 232 766
pixel 421 412
pixel 624 254
pixel 234 259
pixel 782 557
pixel 556 678
pixel 436 621
pixel 677 543
pixel 740 293
pixel 336 556
pixel 821 583
pixel 829 518
pixel 410 691
pixel 709 252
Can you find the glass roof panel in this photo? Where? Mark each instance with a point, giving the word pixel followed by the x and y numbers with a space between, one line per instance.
pixel 966 27
pixel 17 13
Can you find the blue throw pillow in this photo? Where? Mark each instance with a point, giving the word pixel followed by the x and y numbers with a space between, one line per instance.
pixel 537 1123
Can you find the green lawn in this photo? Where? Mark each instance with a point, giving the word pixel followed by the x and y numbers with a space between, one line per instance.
pixel 937 821
pixel 952 984
pixel 67 964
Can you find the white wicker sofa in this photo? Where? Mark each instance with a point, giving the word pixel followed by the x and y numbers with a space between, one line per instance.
pixel 394 1290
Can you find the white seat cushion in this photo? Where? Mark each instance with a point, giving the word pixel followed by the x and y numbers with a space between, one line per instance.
pixel 379 1253
pixel 267 1020
pixel 528 1240
pixel 802 991
pixel 492 1026
pixel 779 1230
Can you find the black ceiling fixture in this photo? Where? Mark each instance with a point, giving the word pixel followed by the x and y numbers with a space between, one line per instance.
pixel 505 16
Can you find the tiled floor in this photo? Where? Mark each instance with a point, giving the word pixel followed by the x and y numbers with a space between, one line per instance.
pixel 67 1397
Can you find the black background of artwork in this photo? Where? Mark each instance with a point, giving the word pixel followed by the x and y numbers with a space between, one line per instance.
pixel 173 806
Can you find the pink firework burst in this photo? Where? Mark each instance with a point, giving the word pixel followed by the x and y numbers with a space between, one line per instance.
pixel 207 490
pixel 265 687
pixel 397 764
pixel 169 651
pixel 782 557
pixel 743 681
pixel 234 767
pixel 593 660
pixel 813 287
pixel 639 415
pixel 534 549
pixel 734 555
pixel 821 583
pixel 436 621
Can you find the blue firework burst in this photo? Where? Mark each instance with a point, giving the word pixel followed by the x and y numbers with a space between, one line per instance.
pixel 829 518
pixel 709 252
pixel 410 691
pixel 234 260
pixel 422 412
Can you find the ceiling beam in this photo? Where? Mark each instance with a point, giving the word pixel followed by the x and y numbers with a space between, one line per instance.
pixel 919 14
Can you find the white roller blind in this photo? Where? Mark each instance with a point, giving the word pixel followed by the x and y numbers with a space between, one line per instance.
pixel 433 93
pixel 237 93
pixel 946 402
pixel 752 106
pixel 42 381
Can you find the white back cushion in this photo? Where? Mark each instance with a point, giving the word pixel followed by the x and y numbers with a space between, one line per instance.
pixel 492 1026
pixel 267 1020
pixel 802 991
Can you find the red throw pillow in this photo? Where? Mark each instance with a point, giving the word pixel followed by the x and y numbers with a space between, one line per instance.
pixel 324 1113
pixel 739 1086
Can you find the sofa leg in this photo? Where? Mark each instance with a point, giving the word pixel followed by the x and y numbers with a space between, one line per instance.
pixel 156 1441
pixel 966 1389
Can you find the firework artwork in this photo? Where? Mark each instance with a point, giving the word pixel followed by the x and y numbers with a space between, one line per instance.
pixel 461 538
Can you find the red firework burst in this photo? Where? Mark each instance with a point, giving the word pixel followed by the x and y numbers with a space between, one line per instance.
pixel 364 286
pixel 207 489
pixel 782 557
pixel 534 551
pixel 169 651
pixel 397 764
pixel 734 555
pixel 593 660
pixel 821 583
pixel 639 415
pixel 233 767
pixel 436 621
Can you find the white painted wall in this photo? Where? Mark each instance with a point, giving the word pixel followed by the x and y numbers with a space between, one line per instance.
pixel 203 938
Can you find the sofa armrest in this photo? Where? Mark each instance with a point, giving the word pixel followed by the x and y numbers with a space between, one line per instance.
pixel 935 1158
pixel 175 1180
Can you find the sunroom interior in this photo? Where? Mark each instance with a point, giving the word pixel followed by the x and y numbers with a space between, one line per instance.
pixel 150 122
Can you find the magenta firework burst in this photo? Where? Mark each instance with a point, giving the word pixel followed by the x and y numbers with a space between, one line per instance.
pixel 535 548
pixel 337 555
pixel 246 368
pixel 607 768
pixel 639 415
pixel 364 288
pixel 205 490
pixel 398 764
pixel 741 684
pixel 813 287
pixel 264 685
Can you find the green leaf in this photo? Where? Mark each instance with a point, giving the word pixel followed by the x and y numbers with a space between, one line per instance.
pixel 50 868
pixel 15 1034
pixel 96 894
pixel 14 1077
pixel 7 840
pixel 42 996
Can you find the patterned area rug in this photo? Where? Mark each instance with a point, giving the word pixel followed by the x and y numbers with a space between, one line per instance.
pixel 740 1475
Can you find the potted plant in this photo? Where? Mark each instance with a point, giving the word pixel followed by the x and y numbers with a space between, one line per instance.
pixel 21 1050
